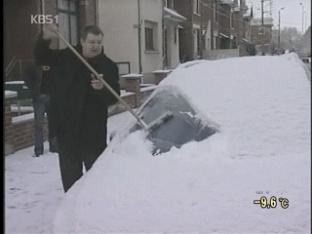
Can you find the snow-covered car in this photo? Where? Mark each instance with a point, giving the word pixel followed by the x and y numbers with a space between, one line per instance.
pixel 227 151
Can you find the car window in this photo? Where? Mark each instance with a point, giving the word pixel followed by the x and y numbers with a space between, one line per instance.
pixel 172 121
pixel 165 101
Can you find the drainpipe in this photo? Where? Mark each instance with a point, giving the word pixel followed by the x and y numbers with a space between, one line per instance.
pixel 96 15
pixel 163 34
pixel 201 36
pixel 139 37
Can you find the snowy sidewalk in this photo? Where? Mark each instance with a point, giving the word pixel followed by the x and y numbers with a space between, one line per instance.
pixel 33 188
pixel 33 191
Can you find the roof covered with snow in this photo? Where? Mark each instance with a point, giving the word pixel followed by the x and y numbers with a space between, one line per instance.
pixel 173 15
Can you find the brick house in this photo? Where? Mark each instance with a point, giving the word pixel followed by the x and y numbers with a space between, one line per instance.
pixel 195 34
pixel 238 23
pixel 225 39
pixel 133 32
pixel 207 25
pixel 210 25
pixel 71 16
pixel 172 25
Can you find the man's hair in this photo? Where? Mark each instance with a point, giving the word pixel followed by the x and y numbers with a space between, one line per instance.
pixel 90 29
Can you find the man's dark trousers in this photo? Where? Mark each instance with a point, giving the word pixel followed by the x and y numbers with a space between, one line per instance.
pixel 41 105
pixel 72 159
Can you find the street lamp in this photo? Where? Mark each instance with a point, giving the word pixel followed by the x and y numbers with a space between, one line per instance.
pixel 279 28
pixel 301 4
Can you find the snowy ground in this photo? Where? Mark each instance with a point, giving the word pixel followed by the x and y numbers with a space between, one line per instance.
pixel 33 188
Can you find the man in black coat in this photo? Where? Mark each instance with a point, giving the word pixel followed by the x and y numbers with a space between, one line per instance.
pixel 80 101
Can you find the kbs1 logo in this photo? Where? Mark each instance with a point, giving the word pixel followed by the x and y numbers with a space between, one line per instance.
pixel 44 19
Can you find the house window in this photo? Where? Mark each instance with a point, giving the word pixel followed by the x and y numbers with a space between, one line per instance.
pixel 150 36
pixel 196 6
pixel 68 21
pixel 149 39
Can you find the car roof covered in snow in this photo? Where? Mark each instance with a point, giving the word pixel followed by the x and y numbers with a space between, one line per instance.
pixel 260 102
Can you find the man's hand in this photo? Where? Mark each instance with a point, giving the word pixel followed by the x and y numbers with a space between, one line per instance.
pixel 49 31
pixel 96 83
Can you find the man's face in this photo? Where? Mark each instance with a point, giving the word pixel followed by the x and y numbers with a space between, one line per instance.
pixel 92 45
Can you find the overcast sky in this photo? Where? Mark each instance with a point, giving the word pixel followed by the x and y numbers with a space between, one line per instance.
pixel 291 16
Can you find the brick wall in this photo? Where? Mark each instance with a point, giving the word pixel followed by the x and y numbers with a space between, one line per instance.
pixel 24 133
pixel 18 134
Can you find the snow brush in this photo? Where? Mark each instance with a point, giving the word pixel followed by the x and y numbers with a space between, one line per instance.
pixel 168 115
pixel 97 75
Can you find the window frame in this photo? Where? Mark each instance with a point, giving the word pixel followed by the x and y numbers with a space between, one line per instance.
pixel 69 13
pixel 151 46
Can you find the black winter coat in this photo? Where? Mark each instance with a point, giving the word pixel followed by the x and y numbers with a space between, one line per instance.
pixel 80 111
pixel 37 80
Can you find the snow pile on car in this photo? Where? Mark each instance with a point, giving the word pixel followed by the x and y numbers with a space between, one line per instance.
pixel 256 100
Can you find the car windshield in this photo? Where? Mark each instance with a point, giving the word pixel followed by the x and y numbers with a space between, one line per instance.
pixel 172 121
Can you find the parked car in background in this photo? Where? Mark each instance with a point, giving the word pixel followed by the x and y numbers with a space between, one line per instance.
pixel 306 59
